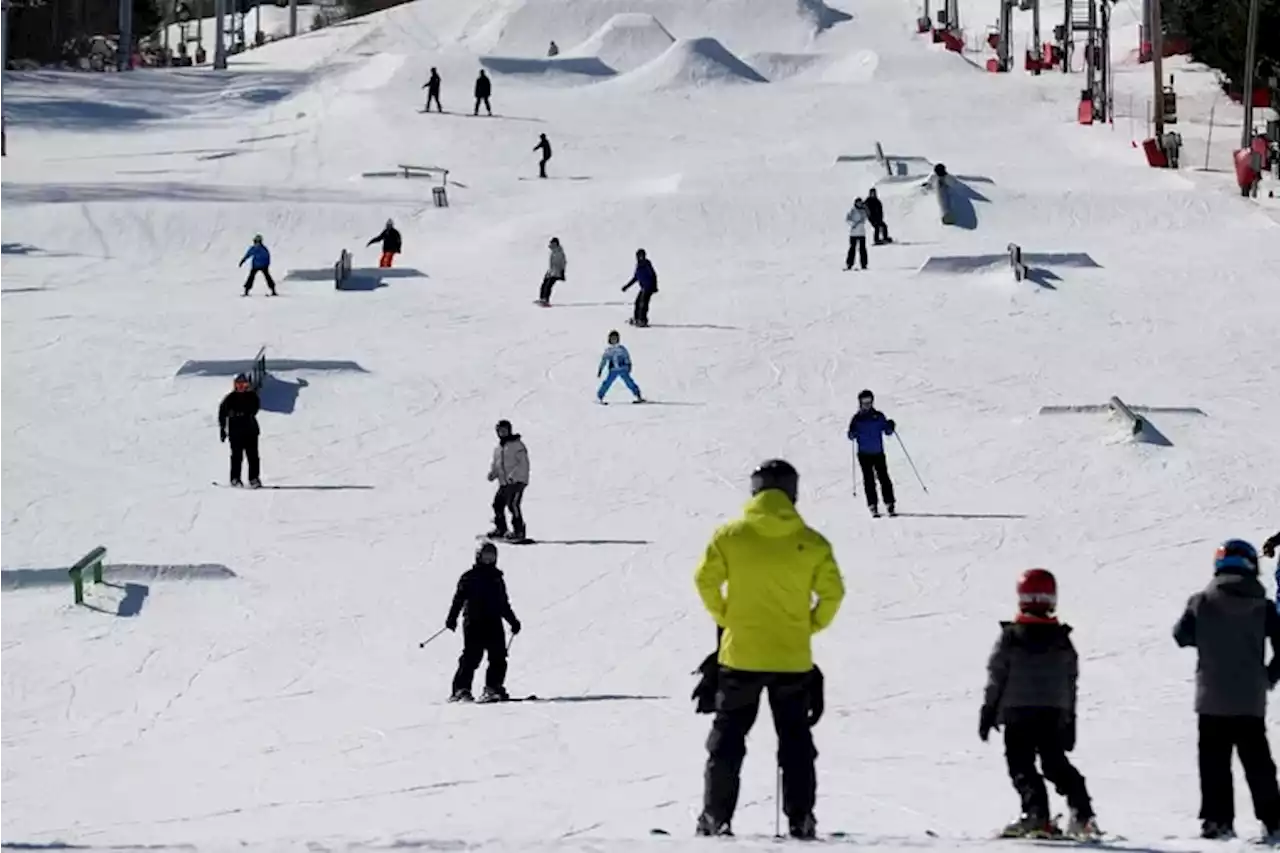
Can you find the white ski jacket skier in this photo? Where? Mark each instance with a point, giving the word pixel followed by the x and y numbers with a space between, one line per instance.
pixel 857 220
pixel 510 462
pixel 556 266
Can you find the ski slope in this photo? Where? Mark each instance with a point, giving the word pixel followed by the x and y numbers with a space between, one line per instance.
pixel 289 706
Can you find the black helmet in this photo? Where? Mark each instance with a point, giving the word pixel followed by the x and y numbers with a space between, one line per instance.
pixel 865 394
pixel 503 424
pixel 487 553
pixel 775 474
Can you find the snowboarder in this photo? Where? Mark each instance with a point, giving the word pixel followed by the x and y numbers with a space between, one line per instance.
pixel 482 600
pixel 553 50
pixel 390 239
pixel 647 278
pixel 510 468
pixel 618 360
pixel 1031 691
pixel 238 421
pixel 1229 624
pixel 483 88
pixel 259 257
pixel 555 271
pixel 771 582
pixel 544 145
pixel 433 91
pixel 875 215
pixel 856 218
pixel 868 428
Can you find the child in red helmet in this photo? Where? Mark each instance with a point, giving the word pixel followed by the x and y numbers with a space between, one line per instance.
pixel 1031 692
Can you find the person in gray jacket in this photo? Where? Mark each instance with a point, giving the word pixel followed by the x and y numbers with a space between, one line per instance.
pixel 510 468
pixel 1031 691
pixel 1229 624
pixel 555 271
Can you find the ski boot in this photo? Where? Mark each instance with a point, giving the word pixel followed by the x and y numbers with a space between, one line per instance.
pixel 516 536
pixel 1270 836
pixel 1216 831
pixel 496 533
pixel 255 483
pixel 237 482
pixel 893 511
pixel 875 512
pixel 461 695
pixel 806 828
pixel 639 400
pixel 1031 826
pixel 493 694
pixel 1083 827
pixel 709 826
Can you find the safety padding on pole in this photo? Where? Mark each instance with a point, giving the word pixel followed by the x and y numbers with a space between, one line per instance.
pixel 942 189
pixel 1136 423
pixel 1020 268
pixel 342 269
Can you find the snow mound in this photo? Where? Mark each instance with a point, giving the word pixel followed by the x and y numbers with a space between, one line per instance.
pixel 568 68
pixel 692 63
pixel 626 41
pixel 780 66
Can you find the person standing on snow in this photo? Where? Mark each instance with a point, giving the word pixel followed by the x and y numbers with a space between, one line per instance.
pixel 390 239
pixel 1229 625
pixel 555 271
pixel 483 88
pixel 238 421
pixel 771 582
pixel 618 361
pixel 544 145
pixel 510 468
pixel 260 262
pixel 481 599
pixel 856 219
pixel 647 278
pixel 433 91
pixel 875 215
pixel 868 428
pixel 1269 550
pixel 1031 691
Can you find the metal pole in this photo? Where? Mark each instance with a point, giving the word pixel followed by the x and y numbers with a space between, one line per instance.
pixel 1144 29
pixel 125 45
pixel 1250 61
pixel 220 36
pixel 1157 67
pixel 1035 34
pixel 293 17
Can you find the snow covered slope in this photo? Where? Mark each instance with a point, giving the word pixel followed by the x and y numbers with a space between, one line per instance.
pixel 626 41
pixel 276 697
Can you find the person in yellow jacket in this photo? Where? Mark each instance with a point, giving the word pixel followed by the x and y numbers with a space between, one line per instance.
pixel 770 582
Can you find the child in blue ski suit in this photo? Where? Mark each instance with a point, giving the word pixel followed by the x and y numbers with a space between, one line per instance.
pixel 618 360
pixel 260 262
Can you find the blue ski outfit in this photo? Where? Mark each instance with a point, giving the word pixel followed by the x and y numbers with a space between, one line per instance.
pixel 618 361
pixel 259 258
pixel 868 428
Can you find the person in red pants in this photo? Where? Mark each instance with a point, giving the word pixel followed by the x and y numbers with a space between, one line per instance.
pixel 390 239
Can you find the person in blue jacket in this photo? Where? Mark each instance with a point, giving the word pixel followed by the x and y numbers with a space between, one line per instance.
pixel 868 428
pixel 260 258
pixel 618 361
pixel 647 278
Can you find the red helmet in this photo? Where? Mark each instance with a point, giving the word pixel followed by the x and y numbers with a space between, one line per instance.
pixel 1037 592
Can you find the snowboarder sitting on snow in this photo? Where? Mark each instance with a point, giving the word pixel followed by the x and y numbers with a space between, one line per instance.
pixel 856 219
pixel 238 420
pixel 555 271
pixel 510 467
pixel 260 258
pixel 433 91
pixel 647 278
pixel 875 215
pixel 553 50
pixel 868 428
pixel 482 600
pixel 483 88
pixel 544 145
pixel 1229 624
pixel 618 361
pixel 390 239
pixel 1031 691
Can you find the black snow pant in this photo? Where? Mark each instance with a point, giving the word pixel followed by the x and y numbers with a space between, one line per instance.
pixel 479 640
pixel 858 251
pixel 737 703
pixel 542 167
pixel 242 446
pixel 434 96
pixel 1037 732
pixel 483 99
pixel 879 232
pixel 509 498
pixel 641 317
pixel 874 466
pixel 1248 737
pixel 548 282
pixel 253 274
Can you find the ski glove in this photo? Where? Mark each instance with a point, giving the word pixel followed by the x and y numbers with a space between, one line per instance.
pixel 986 722
pixel 817 700
pixel 515 627
pixel 451 624
pixel 704 694
pixel 889 427
pixel 1269 547
pixel 222 435
pixel 1067 733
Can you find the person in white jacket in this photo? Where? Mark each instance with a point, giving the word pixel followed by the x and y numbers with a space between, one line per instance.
pixel 510 468
pixel 555 271
pixel 857 221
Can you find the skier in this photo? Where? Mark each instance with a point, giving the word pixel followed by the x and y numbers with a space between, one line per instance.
pixel 482 599
pixel 544 145
pixel 510 467
pixel 856 218
pixel 875 215
pixel 390 239
pixel 1031 691
pixel 618 360
pixel 553 50
pixel 554 273
pixel 1229 624
pixel 783 586
pixel 260 262
pixel 868 428
pixel 483 88
pixel 238 420
pixel 433 91
pixel 647 278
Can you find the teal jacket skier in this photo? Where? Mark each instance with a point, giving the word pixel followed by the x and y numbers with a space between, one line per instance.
pixel 618 361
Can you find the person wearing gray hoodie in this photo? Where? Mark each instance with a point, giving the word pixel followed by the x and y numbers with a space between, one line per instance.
pixel 555 271
pixel 1229 624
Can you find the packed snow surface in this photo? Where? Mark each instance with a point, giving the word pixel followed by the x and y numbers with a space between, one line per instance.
pixel 626 41
pixel 252 679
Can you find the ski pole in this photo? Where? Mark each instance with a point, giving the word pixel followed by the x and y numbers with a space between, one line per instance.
pixel 853 448
pixel 432 637
pixel 777 812
pixel 909 462
pixel 509 642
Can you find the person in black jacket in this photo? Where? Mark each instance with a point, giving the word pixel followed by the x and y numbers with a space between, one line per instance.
pixel 238 420
pixel 433 91
pixel 482 599
pixel 544 145
pixel 483 89
pixel 875 215
pixel 390 239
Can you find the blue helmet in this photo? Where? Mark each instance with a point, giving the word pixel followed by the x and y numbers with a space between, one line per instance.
pixel 1237 557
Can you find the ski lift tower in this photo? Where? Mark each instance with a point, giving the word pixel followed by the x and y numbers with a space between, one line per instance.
pixel 1093 18
pixel 947 27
